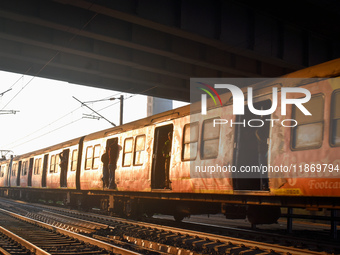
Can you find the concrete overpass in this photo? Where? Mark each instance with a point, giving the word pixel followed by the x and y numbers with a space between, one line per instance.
pixel 153 47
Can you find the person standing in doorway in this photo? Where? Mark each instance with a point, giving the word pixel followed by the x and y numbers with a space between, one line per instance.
pixel 63 169
pixel 166 154
pixel 105 160
pixel 113 156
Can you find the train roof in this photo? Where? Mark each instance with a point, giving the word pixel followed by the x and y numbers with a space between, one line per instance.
pixel 328 69
pixel 151 120
pixel 48 149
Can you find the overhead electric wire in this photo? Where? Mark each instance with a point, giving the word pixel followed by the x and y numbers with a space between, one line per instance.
pixel 46 133
pixel 47 125
pixel 49 61
pixel 43 127
pixel 51 131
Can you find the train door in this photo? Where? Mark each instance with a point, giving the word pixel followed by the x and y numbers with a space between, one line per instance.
pixel 64 158
pixel 44 171
pixel 9 172
pixel 251 149
pixel 106 170
pixel 19 173
pixel 159 175
pixel 30 172
pixel 80 153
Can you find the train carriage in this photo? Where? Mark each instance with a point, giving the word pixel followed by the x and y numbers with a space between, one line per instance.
pixel 4 172
pixel 73 171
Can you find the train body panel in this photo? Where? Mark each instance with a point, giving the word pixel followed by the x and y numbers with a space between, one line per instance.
pixel 91 165
pixel 307 149
pixel 36 175
pixel 72 167
pixel 134 160
pixel 4 172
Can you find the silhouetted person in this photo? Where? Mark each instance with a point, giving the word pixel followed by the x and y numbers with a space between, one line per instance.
pixel 113 156
pixel 166 151
pixel 63 168
pixel 105 160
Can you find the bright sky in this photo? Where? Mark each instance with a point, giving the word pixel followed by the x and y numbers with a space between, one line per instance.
pixel 48 113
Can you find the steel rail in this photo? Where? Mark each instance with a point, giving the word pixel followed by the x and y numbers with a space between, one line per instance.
pixel 28 245
pixel 212 237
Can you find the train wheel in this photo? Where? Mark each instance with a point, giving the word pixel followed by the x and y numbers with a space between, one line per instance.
pixel 258 214
pixel 179 217
pixel 130 208
pixel 149 214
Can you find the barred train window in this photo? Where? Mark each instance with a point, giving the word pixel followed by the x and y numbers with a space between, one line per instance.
pixel 127 153
pixel 96 159
pixel 210 139
pixel 24 168
pixel 88 161
pixel 139 150
pixel 54 164
pixel 14 169
pixel 190 141
pixel 37 166
pixel 74 160
pixel 3 170
pixel 308 133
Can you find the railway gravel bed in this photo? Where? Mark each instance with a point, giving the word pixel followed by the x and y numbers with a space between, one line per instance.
pixel 159 239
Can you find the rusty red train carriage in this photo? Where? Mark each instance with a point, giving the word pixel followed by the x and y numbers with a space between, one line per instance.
pixel 312 145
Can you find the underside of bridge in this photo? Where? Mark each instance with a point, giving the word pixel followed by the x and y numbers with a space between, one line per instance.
pixel 154 47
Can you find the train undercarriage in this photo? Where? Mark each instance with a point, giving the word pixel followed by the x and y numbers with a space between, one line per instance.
pixel 256 209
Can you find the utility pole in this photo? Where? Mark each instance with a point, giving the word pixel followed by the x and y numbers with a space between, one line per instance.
pixel 121 109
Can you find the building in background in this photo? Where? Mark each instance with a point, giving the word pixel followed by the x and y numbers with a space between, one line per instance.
pixel 157 105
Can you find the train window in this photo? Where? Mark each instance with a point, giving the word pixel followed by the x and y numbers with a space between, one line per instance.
pixel 139 150
pixel 54 164
pixel 89 155
pixel 308 133
pixel 190 141
pixel 37 166
pixel 14 169
pixel 210 139
pixel 74 160
pixel 127 153
pixel 3 170
pixel 96 159
pixel 335 119
pixel 24 168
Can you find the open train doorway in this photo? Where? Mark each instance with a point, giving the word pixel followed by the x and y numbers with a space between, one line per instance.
pixel 44 171
pixel 64 159
pixel 112 150
pixel 30 172
pixel 19 173
pixel 251 149
pixel 161 157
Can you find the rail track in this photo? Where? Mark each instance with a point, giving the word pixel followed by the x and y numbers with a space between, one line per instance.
pixel 159 239
pixel 24 235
